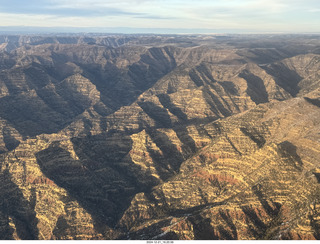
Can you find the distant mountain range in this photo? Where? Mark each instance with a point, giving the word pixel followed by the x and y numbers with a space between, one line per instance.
pixel 122 30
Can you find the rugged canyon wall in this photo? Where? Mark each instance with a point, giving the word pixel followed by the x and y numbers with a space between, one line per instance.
pixel 159 137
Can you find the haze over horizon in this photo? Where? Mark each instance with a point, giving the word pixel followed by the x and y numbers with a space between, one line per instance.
pixel 151 16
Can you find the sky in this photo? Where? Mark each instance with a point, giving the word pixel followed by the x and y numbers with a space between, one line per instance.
pixel 250 16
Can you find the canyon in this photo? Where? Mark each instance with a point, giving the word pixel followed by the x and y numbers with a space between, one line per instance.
pixel 152 137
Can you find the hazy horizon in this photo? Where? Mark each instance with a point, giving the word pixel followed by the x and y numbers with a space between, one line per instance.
pixel 42 30
pixel 162 17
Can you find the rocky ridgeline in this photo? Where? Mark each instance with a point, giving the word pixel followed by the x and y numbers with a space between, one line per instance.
pixel 214 140
pixel 242 185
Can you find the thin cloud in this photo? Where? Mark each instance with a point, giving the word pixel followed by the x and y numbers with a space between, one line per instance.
pixel 277 15
pixel 314 10
pixel 59 8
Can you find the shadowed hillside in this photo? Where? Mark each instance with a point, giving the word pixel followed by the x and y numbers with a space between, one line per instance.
pixel 159 137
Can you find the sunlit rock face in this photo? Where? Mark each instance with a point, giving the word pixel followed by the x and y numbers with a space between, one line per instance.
pixel 159 137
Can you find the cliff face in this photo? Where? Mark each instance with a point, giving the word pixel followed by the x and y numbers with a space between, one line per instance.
pixel 159 138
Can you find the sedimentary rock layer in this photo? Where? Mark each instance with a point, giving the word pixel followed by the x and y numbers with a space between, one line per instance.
pixel 159 137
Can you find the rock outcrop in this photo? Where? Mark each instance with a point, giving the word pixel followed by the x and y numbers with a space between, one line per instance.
pixel 159 137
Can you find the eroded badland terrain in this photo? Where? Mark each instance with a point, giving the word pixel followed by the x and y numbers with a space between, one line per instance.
pixel 160 137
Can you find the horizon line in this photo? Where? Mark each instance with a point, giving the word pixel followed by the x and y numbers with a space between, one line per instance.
pixel 139 30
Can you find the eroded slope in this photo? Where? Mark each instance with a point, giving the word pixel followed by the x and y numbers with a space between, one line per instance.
pixel 173 142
